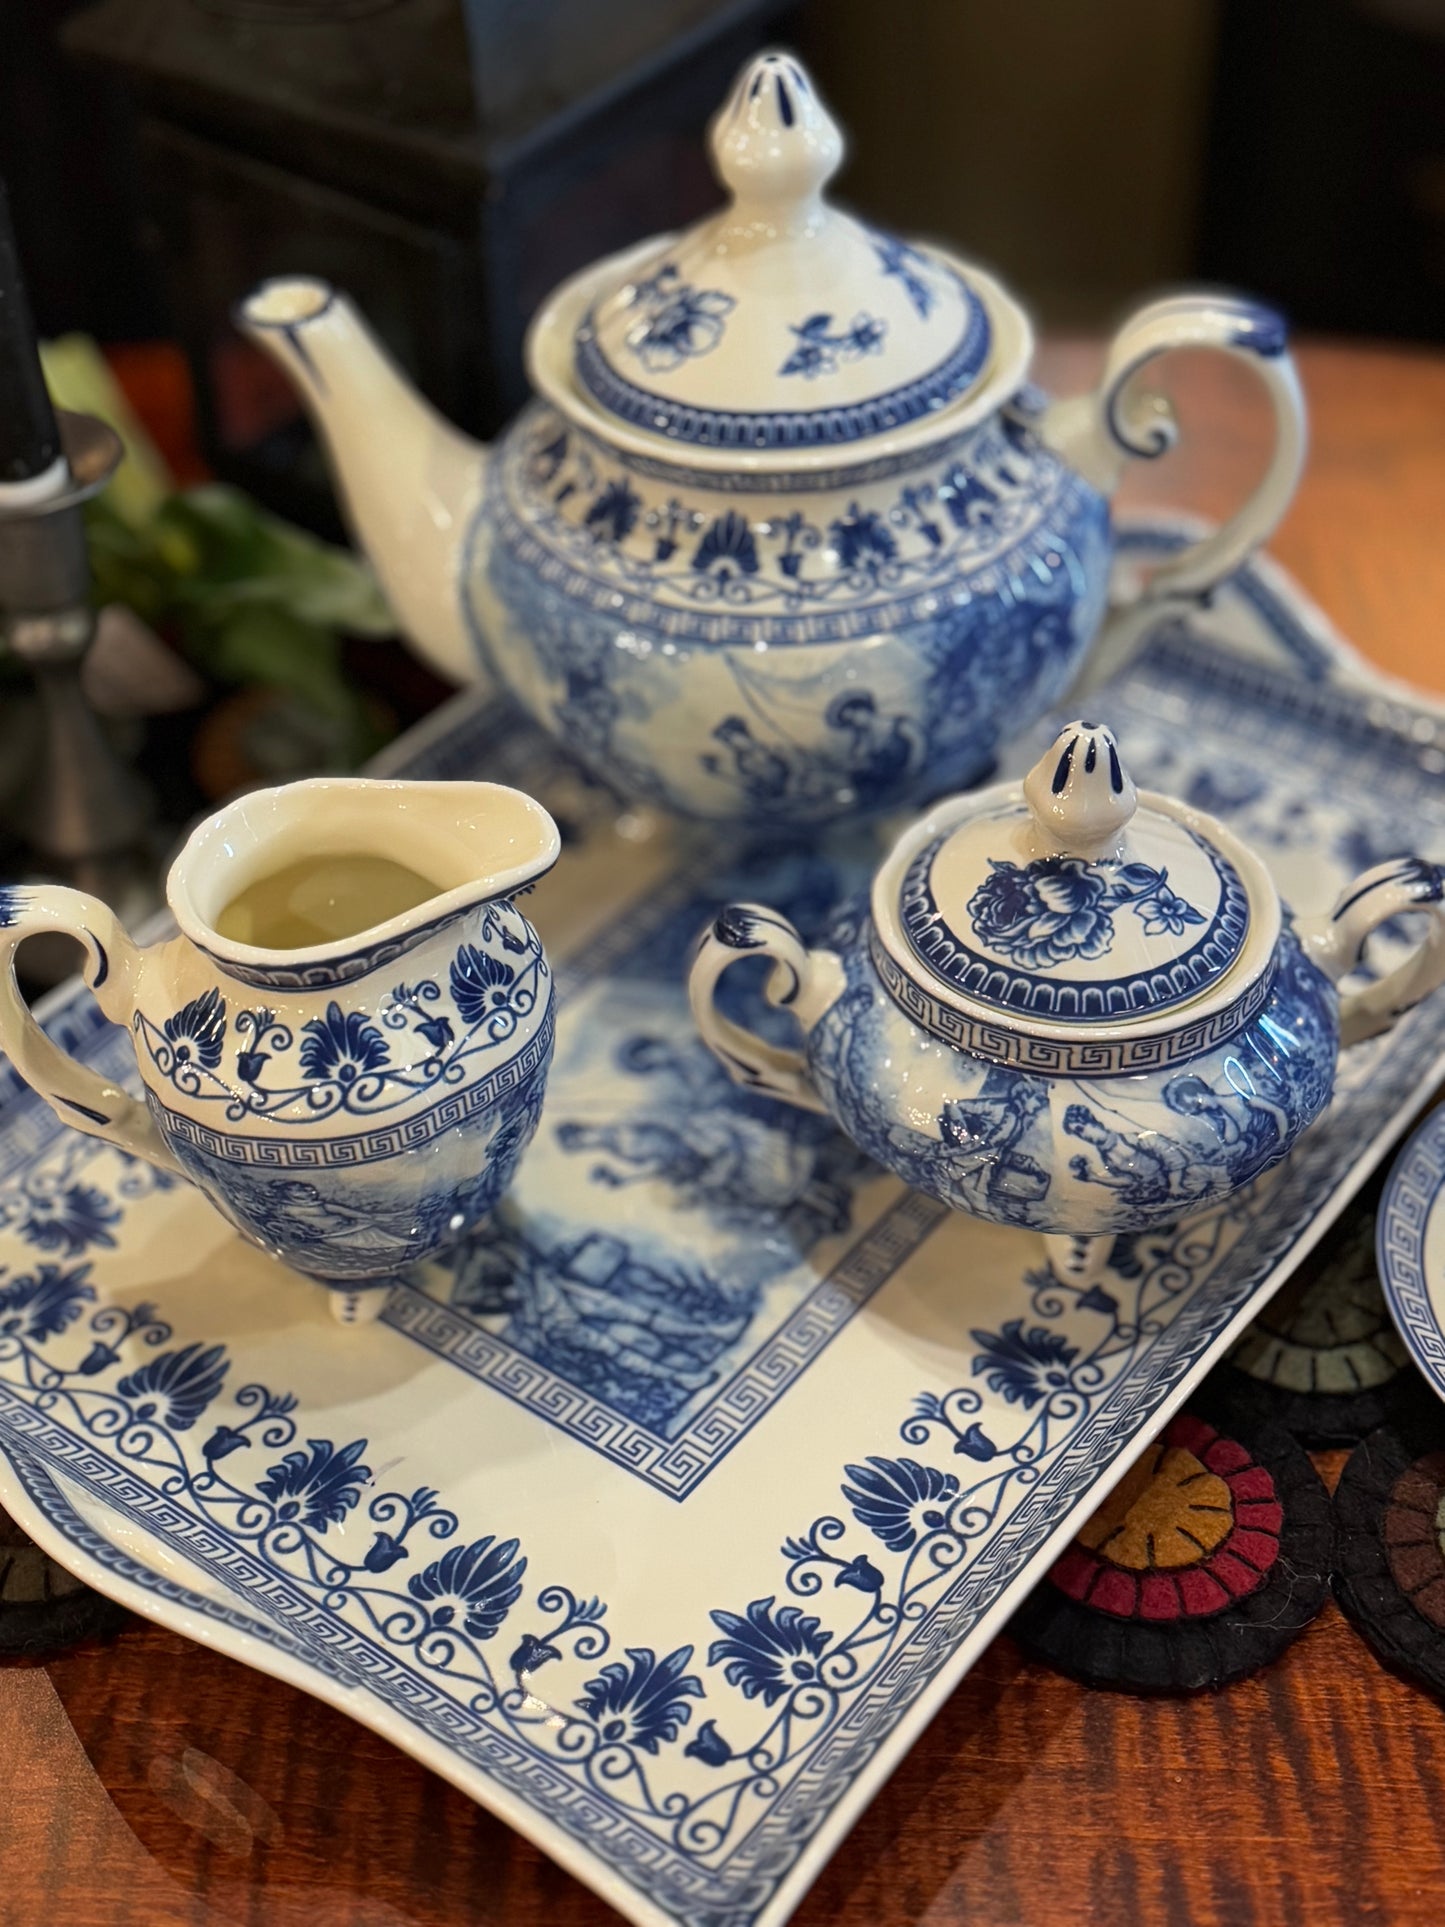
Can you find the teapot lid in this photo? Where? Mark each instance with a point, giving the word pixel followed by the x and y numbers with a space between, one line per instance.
pixel 1074 900
pixel 780 322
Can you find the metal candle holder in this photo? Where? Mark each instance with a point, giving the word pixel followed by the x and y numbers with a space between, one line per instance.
pixel 82 805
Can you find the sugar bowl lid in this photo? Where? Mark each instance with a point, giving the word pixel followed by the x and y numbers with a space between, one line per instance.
pixel 781 322
pixel 1072 904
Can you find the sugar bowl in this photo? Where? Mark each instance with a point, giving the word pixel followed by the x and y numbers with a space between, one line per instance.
pixel 1071 1006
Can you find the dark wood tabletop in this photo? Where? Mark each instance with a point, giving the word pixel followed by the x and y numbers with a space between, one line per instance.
pixel 148 1782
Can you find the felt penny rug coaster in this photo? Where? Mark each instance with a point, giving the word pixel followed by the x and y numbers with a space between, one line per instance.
pixel 1323 1358
pixel 42 1607
pixel 1207 1559
pixel 1390 1543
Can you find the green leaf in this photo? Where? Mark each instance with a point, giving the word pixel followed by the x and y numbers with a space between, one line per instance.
pixel 273 646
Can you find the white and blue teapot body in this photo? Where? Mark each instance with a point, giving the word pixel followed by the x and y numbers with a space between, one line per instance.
pixel 352 1107
pixel 787 537
pixel 1070 1007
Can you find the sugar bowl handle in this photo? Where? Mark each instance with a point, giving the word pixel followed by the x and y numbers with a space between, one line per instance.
pixel 1336 941
pixel 1123 418
pixel 78 1096
pixel 800 981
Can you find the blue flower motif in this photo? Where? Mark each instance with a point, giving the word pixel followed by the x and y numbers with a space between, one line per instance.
pixel 708 1745
pixel 341 1045
pixel 768 1653
pixel 383 1552
pixel 319 1486
pixel 1024 1366
pixel 861 539
pixel 976 1443
pixel 222 1442
pixel 614 512
pixel 68 1220
pixel 819 350
pixel 184 1382
pixel 645 1703
pixel 481 983
pixel 43 1302
pixel 198 1030
pixel 1163 913
pixel 727 544
pixel 861 1573
pixel 531 1652
pixel 681 321
pixel 1044 913
pixel 896 257
pixel 899 1500
pixel 480 1582
pixel 437 1031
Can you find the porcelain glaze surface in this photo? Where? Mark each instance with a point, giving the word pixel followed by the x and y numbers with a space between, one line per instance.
pixel 353 1107
pixel 660 1516
pixel 787 537
pixel 1410 1247
pixel 1028 1072
pixel 845 645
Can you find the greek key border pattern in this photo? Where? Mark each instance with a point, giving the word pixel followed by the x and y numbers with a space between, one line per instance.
pixel 677 1465
pixel 1002 1043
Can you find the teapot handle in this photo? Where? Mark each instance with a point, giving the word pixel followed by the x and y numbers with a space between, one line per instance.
pixel 748 930
pixel 78 1096
pixel 1121 418
pixel 1335 942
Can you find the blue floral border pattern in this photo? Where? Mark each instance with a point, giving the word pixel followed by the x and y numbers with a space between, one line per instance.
pixel 988 506
pixel 1409 1202
pixel 778 1702
pixel 687 424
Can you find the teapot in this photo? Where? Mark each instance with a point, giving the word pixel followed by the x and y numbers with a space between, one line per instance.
pixel 1071 1007
pixel 786 536
pixel 351 1106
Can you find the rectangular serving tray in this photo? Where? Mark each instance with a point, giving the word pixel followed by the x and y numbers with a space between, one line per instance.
pixel 663 1517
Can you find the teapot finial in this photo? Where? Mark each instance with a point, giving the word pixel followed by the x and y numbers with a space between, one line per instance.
pixel 1081 795
pixel 775 144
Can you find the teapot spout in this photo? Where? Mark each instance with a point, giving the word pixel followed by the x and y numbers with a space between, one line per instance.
pixel 409 481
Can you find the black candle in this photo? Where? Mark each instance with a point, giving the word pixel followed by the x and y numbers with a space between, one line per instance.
pixel 29 438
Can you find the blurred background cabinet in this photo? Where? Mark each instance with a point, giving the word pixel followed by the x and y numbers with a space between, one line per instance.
pixel 450 160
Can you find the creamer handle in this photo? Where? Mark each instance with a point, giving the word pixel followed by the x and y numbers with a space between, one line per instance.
pixel 77 1095
pixel 1097 432
pixel 749 930
pixel 1335 942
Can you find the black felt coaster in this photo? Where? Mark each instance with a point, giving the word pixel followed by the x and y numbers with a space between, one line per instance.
pixel 43 1608
pixel 1209 1557
pixel 1323 1358
pixel 1390 1542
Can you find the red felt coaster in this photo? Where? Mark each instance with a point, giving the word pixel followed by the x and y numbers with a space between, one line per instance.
pixel 42 1607
pixel 1323 1358
pixel 1203 1564
pixel 1390 1537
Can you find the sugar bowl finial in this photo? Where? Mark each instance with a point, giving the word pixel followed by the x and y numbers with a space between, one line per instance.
pixel 1081 795
pixel 775 144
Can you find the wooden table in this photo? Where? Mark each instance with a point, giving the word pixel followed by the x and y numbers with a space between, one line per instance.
pixel 149 1782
